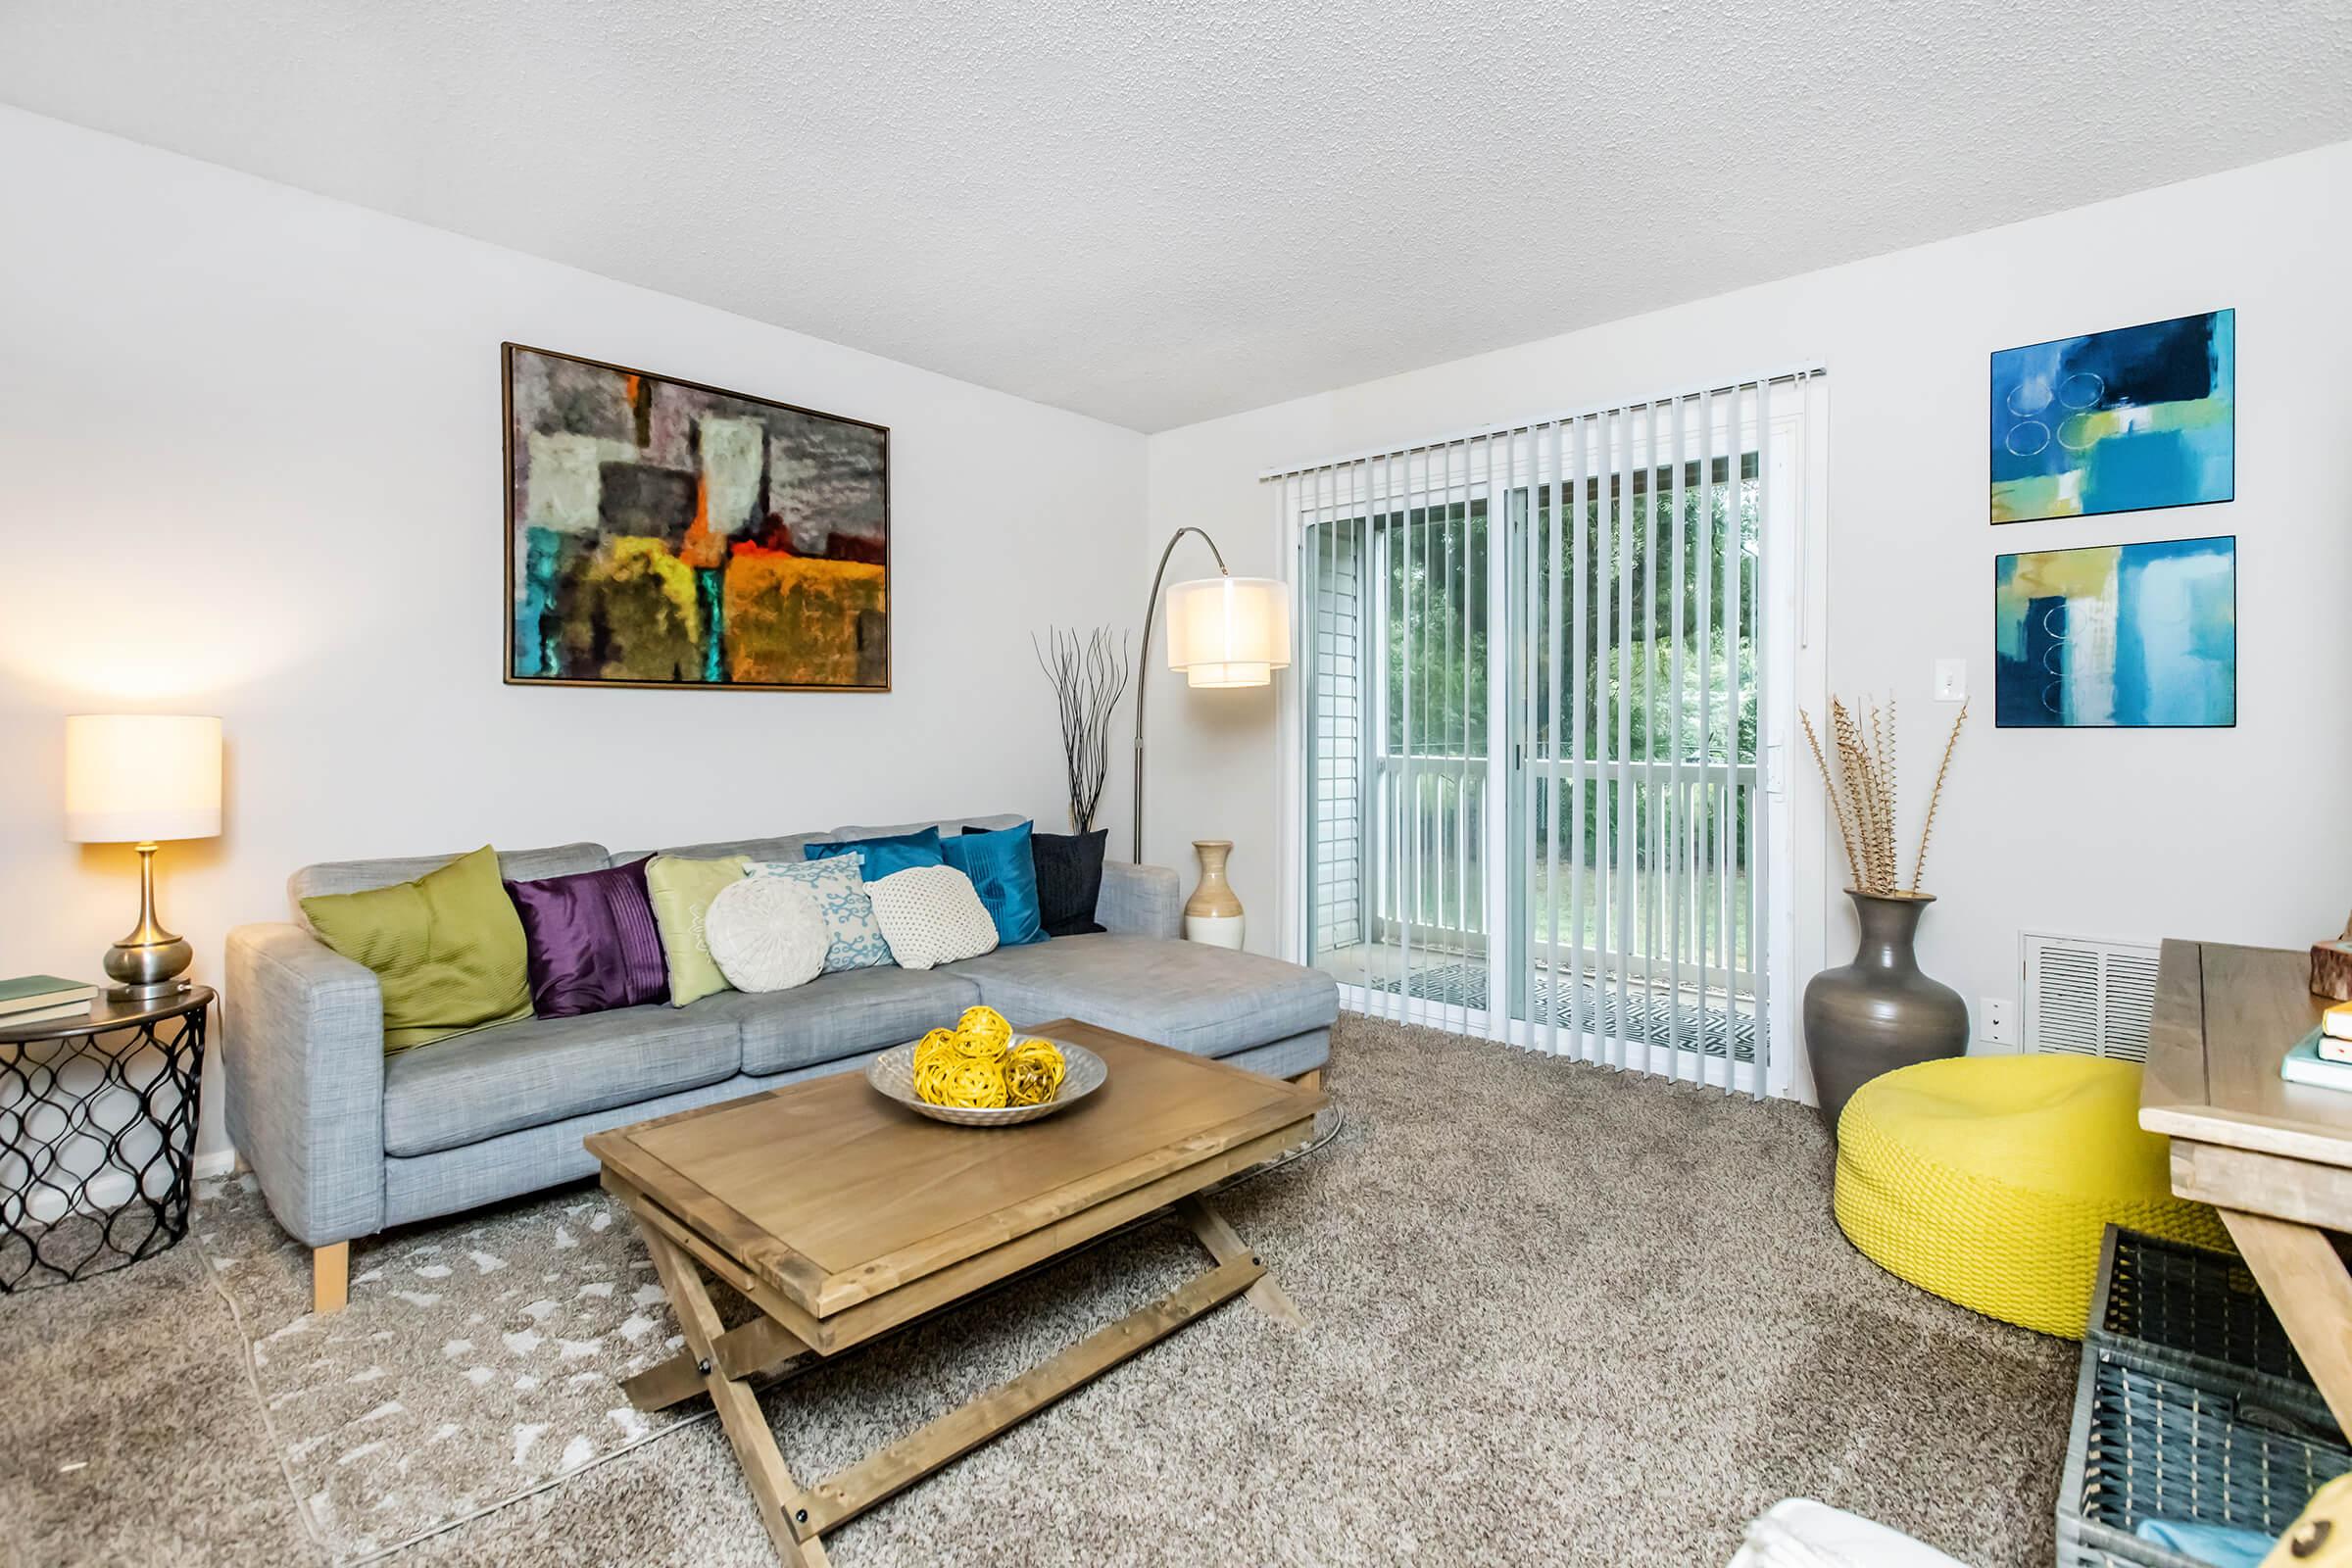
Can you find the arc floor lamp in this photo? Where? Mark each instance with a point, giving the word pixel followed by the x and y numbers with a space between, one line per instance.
pixel 1223 631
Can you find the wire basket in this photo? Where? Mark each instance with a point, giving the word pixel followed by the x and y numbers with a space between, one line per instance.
pixel 2192 1305
pixel 2158 1437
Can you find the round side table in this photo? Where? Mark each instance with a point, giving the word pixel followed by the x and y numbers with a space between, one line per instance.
pixel 93 1103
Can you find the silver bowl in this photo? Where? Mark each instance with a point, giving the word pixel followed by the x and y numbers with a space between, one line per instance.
pixel 893 1074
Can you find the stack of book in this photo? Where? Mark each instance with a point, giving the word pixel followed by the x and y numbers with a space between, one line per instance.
pixel 40 998
pixel 2324 1057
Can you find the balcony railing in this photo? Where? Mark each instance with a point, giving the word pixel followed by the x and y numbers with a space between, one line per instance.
pixel 1656 892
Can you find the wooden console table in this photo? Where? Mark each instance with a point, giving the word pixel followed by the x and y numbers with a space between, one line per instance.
pixel 2275 1157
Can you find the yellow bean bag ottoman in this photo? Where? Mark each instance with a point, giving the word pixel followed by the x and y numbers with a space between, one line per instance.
pixel 1990 1180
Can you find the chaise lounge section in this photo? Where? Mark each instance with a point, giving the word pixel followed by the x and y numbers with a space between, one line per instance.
pixel 347 1141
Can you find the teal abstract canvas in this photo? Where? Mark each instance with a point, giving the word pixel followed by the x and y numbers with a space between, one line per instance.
pixel 2117 636
pixel 2127 421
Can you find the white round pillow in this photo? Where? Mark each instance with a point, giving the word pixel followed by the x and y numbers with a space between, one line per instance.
pixel 766 934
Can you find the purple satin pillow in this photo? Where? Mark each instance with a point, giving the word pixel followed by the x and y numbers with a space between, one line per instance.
pixel 591 942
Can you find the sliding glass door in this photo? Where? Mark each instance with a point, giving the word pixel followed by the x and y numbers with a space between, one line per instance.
pixel 1396 579
pixel 1545 676
pixel 1641 862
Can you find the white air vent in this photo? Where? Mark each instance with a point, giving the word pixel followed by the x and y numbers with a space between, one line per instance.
pixel 2088 997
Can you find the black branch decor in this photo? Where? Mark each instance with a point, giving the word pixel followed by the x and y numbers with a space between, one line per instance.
pixel 1089 672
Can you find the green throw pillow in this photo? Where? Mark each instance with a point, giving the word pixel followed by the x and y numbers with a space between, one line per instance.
pixel 682 891
pixel 448 949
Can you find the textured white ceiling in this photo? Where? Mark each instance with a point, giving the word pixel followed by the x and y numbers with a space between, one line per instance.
pixel 1159 211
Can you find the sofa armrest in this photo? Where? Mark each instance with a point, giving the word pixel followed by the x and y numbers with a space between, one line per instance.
pixel 1141 901
pixel 303 1059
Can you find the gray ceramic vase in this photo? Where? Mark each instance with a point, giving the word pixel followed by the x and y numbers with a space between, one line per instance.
pixel 1878 1012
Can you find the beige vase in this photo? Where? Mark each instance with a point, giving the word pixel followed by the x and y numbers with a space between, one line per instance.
pixel 1212 915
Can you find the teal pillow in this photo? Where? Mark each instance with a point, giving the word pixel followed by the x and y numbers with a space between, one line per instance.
pixel 1002 869
pixel 884 856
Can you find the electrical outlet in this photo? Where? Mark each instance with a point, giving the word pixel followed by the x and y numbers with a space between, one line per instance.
pixel 1996 1021
pixel 1951 680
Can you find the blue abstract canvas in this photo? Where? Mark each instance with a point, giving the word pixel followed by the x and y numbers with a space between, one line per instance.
pixel 2117 636
pixel 2128 420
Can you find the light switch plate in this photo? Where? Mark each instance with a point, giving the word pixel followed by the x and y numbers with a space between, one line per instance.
pixel 1951 680
pixel 1996 1021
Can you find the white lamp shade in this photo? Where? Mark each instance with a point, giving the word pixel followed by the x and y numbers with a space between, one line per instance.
pixel 132 777
pixel 1229 631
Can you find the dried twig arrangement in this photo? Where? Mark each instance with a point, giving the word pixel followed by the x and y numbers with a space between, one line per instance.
pixel 1862 790
pixel 1089 672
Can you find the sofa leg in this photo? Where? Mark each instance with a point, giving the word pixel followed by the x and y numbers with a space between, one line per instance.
pixel 1312 1078
pixel 330 1278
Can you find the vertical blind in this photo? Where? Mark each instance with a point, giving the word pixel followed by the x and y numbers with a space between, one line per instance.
pixel 1535 694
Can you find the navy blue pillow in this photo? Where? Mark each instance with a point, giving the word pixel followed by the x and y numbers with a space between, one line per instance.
pixel 1001 868
pixel 884 856
pixel 1069 879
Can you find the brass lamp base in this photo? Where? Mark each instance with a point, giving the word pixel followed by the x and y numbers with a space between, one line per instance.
pixel 148 961
pixel 147 970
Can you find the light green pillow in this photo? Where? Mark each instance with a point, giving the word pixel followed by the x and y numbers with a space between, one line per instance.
pixel 448 949
pixel 682 891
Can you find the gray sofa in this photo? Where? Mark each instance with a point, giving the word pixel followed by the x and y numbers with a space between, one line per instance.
pixel 346 1141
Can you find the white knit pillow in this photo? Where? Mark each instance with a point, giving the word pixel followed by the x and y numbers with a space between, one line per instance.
pixel 766 934
pixel 931 914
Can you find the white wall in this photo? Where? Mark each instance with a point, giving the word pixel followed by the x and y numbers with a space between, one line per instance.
pixel 2235 834
pixel 249 465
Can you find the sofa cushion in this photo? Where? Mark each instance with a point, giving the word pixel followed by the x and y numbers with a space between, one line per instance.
pixel 930 916
pixel 853 939
pixel 592 941
pixel 1209 1001
pixel 681 891
pixel 788 845
pixel 879 857
pixel 837 1015
pixel 947 827
pixel 1004 877
pixel 448 950
pixel 359 876
pixel 787 848
pixel 1069 868
pixel 766 934
pixel 458 1092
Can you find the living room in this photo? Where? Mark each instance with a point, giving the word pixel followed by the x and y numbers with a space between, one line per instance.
pixel 1213 968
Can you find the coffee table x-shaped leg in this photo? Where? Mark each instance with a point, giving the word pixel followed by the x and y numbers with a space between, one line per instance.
pixel 726 1363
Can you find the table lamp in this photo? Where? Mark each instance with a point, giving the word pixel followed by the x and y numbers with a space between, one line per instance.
pixel 1223 631
pixel 137 778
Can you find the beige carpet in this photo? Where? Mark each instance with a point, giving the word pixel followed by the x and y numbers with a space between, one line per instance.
pixel 478 1358
pixel 1557 1315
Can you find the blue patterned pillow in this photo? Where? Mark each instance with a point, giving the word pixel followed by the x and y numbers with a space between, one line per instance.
pixel 838 885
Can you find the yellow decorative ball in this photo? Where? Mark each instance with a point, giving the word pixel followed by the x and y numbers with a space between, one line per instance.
pixel 978 1048
pixel 977 1066
pixel 986 1027
pixel 946 1072
pixel 1032 1072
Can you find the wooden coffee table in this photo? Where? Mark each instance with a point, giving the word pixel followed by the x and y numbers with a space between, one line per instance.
pixel 841 1215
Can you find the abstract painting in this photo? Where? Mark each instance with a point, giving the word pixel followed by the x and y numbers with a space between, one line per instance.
pixel 2128 420
pixel 2128 636
pixel 665 533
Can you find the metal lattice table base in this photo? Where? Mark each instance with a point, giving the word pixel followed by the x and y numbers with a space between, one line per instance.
pixel 1651 1017
pixel 97 1135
